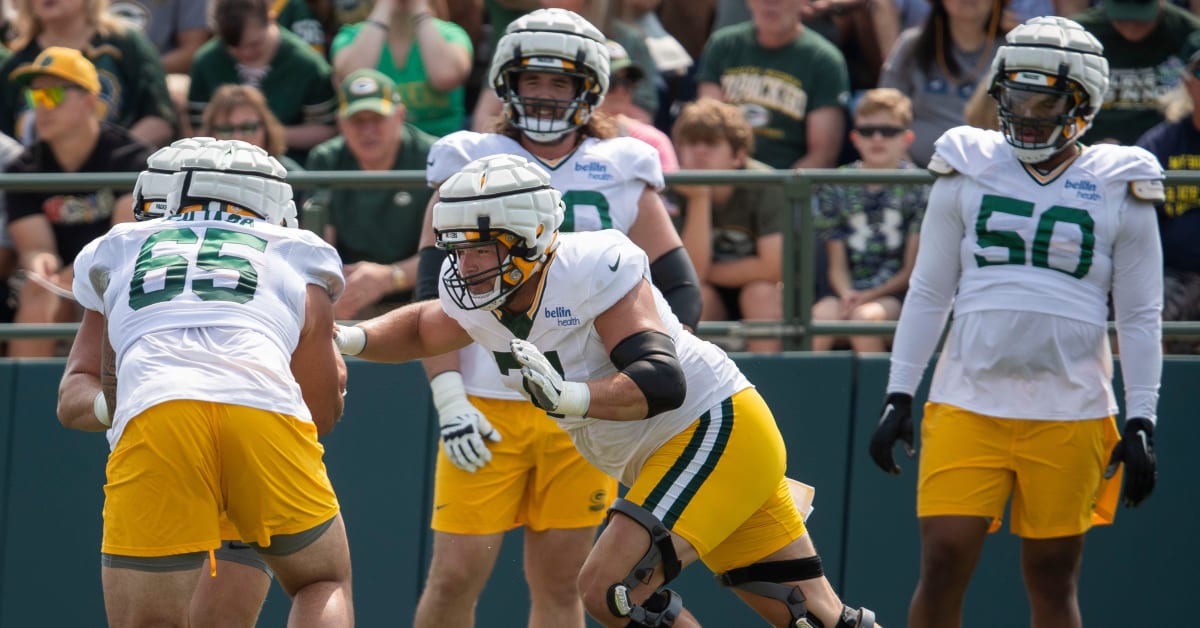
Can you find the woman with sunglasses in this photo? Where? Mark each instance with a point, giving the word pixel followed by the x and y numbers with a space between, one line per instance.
pixel 240 112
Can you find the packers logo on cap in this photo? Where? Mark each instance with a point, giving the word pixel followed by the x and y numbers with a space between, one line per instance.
pixel 363 86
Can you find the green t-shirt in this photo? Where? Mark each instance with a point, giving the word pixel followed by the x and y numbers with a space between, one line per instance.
pixel 298 83
pixel 295 16
pixel 436 113
pixel 1139 74
pixel 381 225
pixel 750 213
pixel 132 82
pixel 777 87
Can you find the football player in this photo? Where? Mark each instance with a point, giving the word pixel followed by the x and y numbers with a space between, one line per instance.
pixel 501 466
pixel 572 321
pixel 198 307
pixel 235 599
pixel 1026 235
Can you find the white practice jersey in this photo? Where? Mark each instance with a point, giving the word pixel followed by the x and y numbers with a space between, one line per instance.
pixel 1028 260
pixel 601 183
pixel 584 278
pixel 204 309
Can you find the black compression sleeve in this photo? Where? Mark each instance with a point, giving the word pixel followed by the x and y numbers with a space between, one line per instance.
pixel 429 266
pixel 675 277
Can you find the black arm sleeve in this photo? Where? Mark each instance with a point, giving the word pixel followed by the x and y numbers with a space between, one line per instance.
pixel 649 359
pixel 429 265
pixel 675 277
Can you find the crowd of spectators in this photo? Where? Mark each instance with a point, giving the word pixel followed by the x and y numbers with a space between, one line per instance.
pixel 91 85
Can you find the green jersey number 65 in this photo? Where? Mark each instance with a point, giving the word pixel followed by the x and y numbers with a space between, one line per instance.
pixel 213 255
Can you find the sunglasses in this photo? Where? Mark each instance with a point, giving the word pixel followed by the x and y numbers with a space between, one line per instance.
pixel 47 97
pixel 245 128
pixel 886 131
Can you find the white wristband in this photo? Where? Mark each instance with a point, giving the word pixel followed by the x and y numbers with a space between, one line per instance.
pixel 100 407
pixel 350 340
pixel 574 400
pixel 447 388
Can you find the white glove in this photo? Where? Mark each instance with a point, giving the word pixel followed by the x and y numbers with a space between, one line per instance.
pixel 546 387
pixel 349 340
pixel 463 426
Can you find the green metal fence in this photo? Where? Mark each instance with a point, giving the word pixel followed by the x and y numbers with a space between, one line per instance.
pixel 796 326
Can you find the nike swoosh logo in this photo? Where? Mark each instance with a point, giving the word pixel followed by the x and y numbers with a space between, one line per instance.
pixel 886 411
pixel 613 266
pixel 440 506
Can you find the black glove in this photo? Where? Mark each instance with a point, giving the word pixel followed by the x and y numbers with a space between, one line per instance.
pixel 895 422
pixel 1136 450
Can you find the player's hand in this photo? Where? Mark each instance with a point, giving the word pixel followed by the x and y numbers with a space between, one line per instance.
pixel 895 423
pixel 546 387
pixel 1136 451
pixel 350 340
pixel 463 426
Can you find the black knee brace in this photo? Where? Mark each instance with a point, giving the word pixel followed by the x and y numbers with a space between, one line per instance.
pixel 661 550
pixel 766 579
pixel 660 610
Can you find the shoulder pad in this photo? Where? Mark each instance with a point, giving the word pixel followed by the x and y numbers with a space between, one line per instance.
pixel 1150 191
pixel 968 150
pixel 451 153
pixel 1132 165
pixel 636 159
pixel 940 167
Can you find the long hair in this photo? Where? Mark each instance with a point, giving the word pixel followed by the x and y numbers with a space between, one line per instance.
pixel 229 97
pixel 95 12
pixel 932 44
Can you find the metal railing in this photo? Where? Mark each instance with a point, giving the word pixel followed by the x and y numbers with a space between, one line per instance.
pixel 796 326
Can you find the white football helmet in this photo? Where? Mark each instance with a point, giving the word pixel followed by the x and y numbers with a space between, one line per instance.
pixel 558 41
pixel 236 173
pixel 493 201
pixel 1049 80
pixel 154 183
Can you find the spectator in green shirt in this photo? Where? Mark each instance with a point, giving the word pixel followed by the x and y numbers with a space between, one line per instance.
pixel 376 230
pixel 428 59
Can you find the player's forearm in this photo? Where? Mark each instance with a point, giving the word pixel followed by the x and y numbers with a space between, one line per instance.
pixel 439 364
pixel 1137 306
pixel 418 330
pixel 616 398
pixel 76 402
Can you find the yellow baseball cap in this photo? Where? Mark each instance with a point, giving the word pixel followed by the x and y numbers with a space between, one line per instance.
pixel 65 63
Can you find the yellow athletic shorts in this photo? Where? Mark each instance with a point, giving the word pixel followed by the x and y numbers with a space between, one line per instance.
pixel 536 478
pixel 1054 470
pixel 720 484
pixel 180 464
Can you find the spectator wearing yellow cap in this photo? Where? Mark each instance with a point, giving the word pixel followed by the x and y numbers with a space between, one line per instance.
pixel 376 230
pixel 49 228
pixel 130 73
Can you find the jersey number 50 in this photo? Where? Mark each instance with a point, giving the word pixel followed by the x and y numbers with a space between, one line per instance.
pixel 1040 253
pixel 212 256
